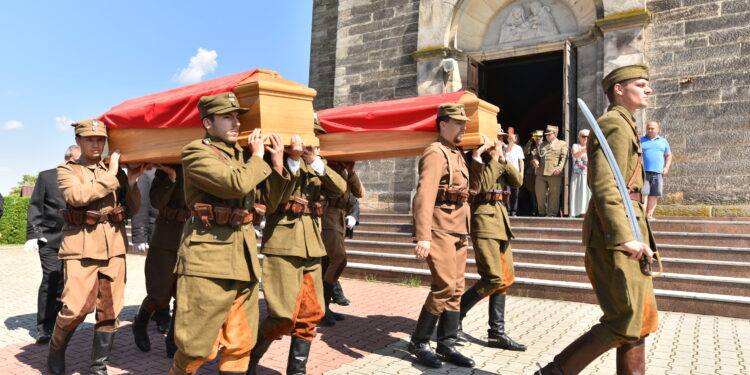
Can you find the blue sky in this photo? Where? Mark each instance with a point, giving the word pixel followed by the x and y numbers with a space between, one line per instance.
pixel 65 61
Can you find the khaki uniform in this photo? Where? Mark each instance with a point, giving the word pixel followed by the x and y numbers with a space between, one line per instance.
pixel 334 223
pixel 552 155
pixel 446 225
pixel 625 295
pixel 93 255
pixel 293 247
pixel 490 229
pixel 529 177
pixel 217 267
pixel 162 253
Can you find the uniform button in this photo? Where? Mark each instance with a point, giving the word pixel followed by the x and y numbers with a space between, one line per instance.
pixel 265 171
pixel 247 228
pixel 216 237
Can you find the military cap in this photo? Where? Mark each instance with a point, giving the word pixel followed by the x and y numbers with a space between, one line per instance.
pixel 453 110
pixel 551 129
pixel 624 73
pixel 219 104
pixel 537 133
pixel 90 128
pixel 317 128
pixel 500 131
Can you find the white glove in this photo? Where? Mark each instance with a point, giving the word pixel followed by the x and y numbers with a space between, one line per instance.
pixel 262 223
pixel 31 245
pixel 140 247
pixel 350 222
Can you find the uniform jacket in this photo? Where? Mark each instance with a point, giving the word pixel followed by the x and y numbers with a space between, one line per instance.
pixel 606 224
pixel 94 188
pixel 299 236
pixel 552 155
pixel 44 219
pixel 490 220
pixel 223 251
pixel 167 193
pixel 335 218
pixel 142 223
pixel 433 174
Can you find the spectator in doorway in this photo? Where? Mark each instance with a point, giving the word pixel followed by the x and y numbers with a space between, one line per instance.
pixel 514 154
pixel 579 190
pixel 550 163
pixel 657 158
pixel 529 177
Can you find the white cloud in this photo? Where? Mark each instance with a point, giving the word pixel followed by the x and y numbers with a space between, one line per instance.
pixel 13 125
pixel 202 63
pixel 62 123
pixel 4 169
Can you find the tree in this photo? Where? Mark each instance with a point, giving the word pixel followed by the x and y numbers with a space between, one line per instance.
pixel 26 180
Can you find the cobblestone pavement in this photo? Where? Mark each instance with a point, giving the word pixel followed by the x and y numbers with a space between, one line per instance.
pixel 373 338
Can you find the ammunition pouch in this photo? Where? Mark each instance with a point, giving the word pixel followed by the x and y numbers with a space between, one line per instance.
pixel 451 196
pixel 174 214
pixel 297 206
pixel 93 217
pixel 491 196
pixel 225 215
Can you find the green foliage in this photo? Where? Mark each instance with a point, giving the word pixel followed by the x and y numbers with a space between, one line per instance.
pixel 371 278
pixel 411 281
pixel 13 222
pixel 26 180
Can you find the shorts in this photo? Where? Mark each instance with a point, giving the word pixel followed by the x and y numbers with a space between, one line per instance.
pixel 653 185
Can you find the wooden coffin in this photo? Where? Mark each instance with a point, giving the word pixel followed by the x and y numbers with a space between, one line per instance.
pixel 277 105
pixel 358 146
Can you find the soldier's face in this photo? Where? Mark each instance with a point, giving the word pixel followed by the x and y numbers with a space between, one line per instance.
pixel 453 130
pixel 635 94
pixel 91 147
pixel 225 126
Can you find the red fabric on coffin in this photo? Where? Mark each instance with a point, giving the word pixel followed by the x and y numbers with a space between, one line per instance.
pixel 169 109
pixel 410 114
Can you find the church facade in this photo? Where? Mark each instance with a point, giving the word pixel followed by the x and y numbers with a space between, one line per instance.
pixel 534 58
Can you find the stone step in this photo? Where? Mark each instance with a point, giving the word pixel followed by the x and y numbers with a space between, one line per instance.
pixel 669 281
pixel 667 300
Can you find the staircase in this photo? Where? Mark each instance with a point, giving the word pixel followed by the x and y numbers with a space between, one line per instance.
pixel 706 261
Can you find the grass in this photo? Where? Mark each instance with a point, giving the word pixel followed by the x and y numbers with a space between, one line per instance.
pixel 411 281
pixel 371 278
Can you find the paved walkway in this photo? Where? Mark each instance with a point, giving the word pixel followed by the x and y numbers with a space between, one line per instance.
pixel 373 338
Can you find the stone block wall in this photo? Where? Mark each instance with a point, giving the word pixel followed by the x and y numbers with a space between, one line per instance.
pixel 699 52
pixel 323 51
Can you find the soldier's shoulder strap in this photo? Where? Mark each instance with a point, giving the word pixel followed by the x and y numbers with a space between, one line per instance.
pixel 450 165
pixel 218 153
pixel 639 163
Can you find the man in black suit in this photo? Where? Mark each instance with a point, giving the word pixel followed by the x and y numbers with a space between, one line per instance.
pixel 44 233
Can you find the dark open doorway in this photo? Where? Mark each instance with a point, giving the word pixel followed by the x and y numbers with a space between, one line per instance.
pixel 529 91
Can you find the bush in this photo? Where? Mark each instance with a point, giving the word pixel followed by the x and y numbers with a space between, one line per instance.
pixel 13 222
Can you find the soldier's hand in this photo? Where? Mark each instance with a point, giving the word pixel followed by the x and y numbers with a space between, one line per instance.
pixel 255 143
pixel 171 173
pixel 637 249
pixel 422 250
pixel 500 146
pixel 276 150
pixel 114 162
pixel 310 153
pixel 295 149
pixel 556 172
pixel 349 166
pixel 535 164
pixel 486 144
pixel 496 151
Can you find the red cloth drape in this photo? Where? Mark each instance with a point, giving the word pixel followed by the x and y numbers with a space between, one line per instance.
pixel 410 114
pixel 169 109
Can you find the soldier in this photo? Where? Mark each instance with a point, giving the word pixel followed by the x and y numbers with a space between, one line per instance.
pixel 335 222
pixel 490 235
pixel 44 233
pixel 293 249
pixel 530 150
pixel 217 264
pixel 549 163
pixel 441 222
pixel 94 242
pixel 625 294
pixel 167 196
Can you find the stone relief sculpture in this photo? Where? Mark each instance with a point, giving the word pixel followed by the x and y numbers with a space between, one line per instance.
pixel 519 26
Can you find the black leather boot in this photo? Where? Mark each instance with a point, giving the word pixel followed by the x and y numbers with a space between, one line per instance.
pixel 328 319
pixel 497 337
pixel 576 356
pixel 169 344
pixel 162 319
pixel 140 323
pixel 447 332
pixel 260 348
pixel 57 345
pixel 338 295
pixel 299 351
pixel 419 345
pixel 470 298
pixel 100 352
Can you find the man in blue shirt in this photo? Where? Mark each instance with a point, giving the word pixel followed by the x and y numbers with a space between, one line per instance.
pixel 657 158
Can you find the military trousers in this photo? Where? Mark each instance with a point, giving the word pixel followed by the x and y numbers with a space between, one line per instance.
pixel 625 295
pixel 494 259
pixel 293 291
pixel 92 284
pixel 49 300
pixel 334 243
pixel 447 262
pixel 548 194
pixel 160 279
pixel 212 315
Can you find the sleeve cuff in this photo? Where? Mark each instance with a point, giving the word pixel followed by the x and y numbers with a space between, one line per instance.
pixel 293 165
pixel 318 166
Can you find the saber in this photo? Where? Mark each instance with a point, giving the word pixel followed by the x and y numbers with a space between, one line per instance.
pixel 621 186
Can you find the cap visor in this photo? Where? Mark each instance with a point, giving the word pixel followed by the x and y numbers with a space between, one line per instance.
pixel 231 109
pixel 460 118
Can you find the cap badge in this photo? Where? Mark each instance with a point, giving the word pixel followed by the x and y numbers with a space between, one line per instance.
pixel 94 124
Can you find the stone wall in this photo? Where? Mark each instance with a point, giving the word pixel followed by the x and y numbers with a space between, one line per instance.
pixel 323 51
pixel 699 52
